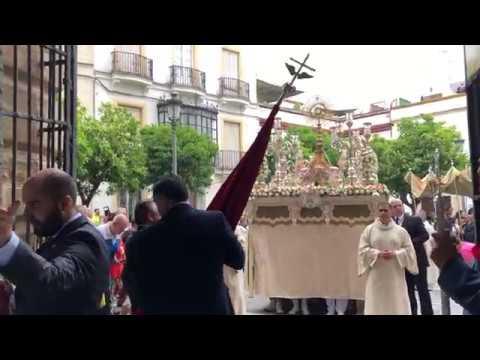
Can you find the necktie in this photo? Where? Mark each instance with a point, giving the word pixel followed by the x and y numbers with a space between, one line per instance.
pixel 397 220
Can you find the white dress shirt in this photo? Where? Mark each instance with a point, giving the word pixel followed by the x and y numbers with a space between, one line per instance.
pixel 104 229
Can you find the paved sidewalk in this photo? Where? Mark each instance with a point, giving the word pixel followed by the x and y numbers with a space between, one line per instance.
pixel 256 305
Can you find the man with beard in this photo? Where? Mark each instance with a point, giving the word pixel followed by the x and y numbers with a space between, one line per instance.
pixel 69 273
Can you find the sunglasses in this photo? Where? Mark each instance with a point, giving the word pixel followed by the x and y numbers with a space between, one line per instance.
pixel 383 210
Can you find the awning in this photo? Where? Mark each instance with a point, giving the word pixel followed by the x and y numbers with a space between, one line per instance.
pixel 456 182
pixel 421 187
pixel 268 93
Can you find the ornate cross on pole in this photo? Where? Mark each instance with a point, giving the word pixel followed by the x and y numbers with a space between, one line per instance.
pixel 296 74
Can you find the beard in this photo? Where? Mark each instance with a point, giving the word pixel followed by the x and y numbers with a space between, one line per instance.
pixel 50 226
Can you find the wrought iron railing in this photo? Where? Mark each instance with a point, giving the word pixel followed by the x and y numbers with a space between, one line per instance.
pixel 188 77
pixel 226 160
pixel 231 87
pixel 37 118
pixel 133 64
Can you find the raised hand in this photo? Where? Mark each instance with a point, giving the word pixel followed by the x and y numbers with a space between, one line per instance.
pixel 7 219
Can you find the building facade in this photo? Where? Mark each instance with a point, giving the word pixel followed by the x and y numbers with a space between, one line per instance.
pixel 450 109
pixel 216 83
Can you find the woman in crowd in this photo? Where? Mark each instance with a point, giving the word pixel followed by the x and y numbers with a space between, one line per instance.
pixel 116 270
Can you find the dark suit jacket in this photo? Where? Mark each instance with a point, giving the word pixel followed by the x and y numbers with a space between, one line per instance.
pixel 418 234
pixel 469 233
pixel 178 262
pixel 462 284
pixel 68 274
pixel 128 277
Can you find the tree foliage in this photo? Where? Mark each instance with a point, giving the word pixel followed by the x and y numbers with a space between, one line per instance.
pixel 195 155
pixel 308 139
pixel 414 149
pixel 108 150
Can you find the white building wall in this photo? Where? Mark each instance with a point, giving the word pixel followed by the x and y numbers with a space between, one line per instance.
pixel 452 111
pixel 250 74
pixel 101 96
pixel 162 56
pixel 377 119
pixel 458 102
pixel 207 58
pixel 103 57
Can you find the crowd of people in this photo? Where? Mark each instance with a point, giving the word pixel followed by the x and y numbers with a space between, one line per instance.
pixel 170 258
pixel 394 253
pixel 117 229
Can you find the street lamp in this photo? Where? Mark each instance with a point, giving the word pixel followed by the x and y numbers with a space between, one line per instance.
pixel 441 222
pixel 174 107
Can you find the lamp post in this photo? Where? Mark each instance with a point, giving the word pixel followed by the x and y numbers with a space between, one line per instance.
pixel 174 107
pixel 461 144
pixel 441 222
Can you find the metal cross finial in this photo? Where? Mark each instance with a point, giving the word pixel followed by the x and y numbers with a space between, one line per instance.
pixel 296 74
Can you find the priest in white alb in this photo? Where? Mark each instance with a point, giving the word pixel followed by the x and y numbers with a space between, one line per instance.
pixel 385 251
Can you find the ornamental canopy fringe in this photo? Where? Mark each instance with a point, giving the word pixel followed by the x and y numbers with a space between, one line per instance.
pixel 454 182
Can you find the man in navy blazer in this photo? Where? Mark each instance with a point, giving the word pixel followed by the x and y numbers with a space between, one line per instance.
pixel 178 262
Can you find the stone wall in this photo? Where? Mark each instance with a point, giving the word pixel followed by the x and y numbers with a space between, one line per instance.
pixel 21 124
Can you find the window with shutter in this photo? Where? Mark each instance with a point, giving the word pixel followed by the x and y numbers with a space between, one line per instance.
pixel 134 49
pixel 230 73
pixel 183 56
pixel 231 136
pixel 230 64
pixel 135 111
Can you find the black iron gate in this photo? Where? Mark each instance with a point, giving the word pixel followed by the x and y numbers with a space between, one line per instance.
pixel 37 116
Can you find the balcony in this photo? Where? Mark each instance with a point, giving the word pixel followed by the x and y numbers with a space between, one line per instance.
pixel 226 160
pixel 234 88
pixel 131 66
pixel 186 77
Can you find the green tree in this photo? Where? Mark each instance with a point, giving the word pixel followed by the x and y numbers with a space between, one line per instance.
pixel 108 150
pixel 195 155
pixel 308 139
pixel 414 149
